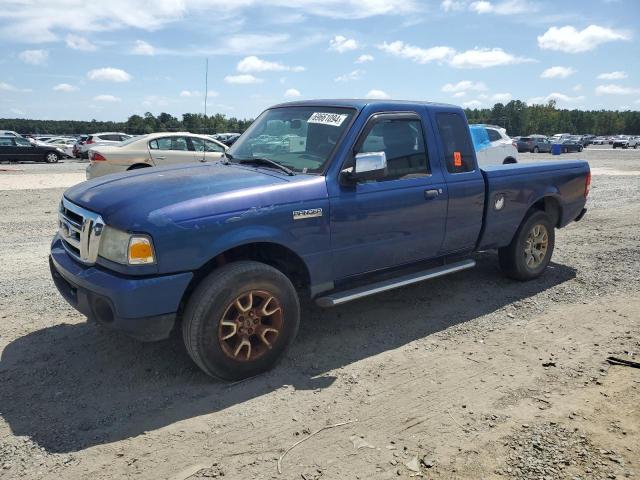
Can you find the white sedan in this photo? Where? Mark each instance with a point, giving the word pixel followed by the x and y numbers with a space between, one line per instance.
pixel 155 149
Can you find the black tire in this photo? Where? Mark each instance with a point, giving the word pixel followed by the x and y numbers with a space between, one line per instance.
pixel 536 149
pixel 579 149
pixel 565 150
pixel 214 297
pixel 51 157
pixel 514 259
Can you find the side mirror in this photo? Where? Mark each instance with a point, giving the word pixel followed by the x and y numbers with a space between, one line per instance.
pixel 367 166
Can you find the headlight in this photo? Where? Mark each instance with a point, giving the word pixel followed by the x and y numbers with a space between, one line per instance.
pixel 125 248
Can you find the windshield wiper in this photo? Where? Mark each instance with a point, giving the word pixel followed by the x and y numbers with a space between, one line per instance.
pixel 266 161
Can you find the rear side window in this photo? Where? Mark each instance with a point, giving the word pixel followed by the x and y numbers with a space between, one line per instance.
pixel 169 143
pixel 494 135
pixel 6 142
pixel 458 151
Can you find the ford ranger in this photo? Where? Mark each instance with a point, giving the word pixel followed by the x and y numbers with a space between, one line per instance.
pixel 330 200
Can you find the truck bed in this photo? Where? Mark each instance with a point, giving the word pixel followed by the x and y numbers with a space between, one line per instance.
pixel 521 185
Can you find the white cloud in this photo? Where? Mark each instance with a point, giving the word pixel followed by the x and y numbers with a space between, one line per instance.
pixel 364 58
pixel 64 87
pixel 476 58
pixel 197 93
pixel 377 95
pixel 416 54
pixel 557 72
pixel 450 5
pixel 34 57
pixel 484 58
pixel 507 7
pixel 459 94
pixel 464 86
pixel 244 79
pixel 254 64
pixel 106 98
pixel 108 74
pixel 342 44
pixel 7 87
pixel 255 43
pixel 501 97
pixel 613 89
pixel 558 97
pixel 472 104
pixel 292 92
pixel 613 76
pixel 17 111
pixel 353 75
pixel 76 42
pixel 577 87
pixel 569 39
pixel 143 48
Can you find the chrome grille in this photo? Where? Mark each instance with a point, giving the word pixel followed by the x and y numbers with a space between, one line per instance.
pixel 80 231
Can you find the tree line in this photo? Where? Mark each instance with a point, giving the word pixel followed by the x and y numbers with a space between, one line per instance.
pixel 516 116
pixel 522 119
pixel 135 125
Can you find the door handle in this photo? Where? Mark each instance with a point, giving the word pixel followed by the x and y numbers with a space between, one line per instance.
pixel 432 193
pixel 160 158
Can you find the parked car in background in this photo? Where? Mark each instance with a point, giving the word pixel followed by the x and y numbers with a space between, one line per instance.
pixel 534 144
pixel 102 138
pixel 63 143
pixel 9 133
pixel 600 141
pixel 624 141
pixel 227 138
pixel 151 150
pixel 568 146
pixel 492 144
pixel 18 149
pixel 76 147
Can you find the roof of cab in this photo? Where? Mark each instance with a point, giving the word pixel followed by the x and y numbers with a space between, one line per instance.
pixel 360 103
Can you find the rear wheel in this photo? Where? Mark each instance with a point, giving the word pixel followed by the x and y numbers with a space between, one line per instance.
pixel 240 320
pixel 580 149
pixel 529 253
pixel 51 157
pixel 536 149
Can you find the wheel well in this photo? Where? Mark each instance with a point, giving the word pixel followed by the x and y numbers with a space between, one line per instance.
pixel 551 207
pixel 272 254
pixel 136 166
pixel 509 160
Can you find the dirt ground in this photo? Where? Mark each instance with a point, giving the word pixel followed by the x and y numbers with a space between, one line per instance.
pixel 465 377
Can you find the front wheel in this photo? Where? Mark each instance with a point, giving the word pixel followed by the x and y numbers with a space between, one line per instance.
pixel 51 157
pixel 529 253
pixel 240 320
pixel 536 149
pixel 579 149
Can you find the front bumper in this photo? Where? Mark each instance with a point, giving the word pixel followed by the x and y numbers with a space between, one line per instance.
pixel 142 307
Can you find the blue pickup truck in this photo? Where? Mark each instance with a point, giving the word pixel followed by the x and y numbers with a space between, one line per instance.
pixel 329 200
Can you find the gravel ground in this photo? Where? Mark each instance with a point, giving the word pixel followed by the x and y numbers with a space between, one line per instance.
pixel 464 377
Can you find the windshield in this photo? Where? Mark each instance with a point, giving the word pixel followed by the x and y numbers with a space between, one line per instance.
pixel 300 138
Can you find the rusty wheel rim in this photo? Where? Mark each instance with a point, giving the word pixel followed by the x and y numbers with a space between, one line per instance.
pixel 250 325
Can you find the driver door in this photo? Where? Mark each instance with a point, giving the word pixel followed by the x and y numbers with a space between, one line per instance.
pixel 399 218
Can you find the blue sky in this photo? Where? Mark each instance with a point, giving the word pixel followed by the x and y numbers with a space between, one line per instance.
pixel 68 59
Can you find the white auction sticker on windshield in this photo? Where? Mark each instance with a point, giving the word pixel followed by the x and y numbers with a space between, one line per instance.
pixel 333 119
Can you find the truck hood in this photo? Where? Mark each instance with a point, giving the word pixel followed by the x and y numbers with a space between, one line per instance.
pixel 132 199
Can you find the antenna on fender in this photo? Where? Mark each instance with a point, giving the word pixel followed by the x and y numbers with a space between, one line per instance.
pixel 204 120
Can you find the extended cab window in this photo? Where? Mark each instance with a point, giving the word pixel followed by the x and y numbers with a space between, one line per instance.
pixel 402 141
pixel 458 151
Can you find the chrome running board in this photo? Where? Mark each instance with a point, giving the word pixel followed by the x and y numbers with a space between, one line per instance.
pixel 338 298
